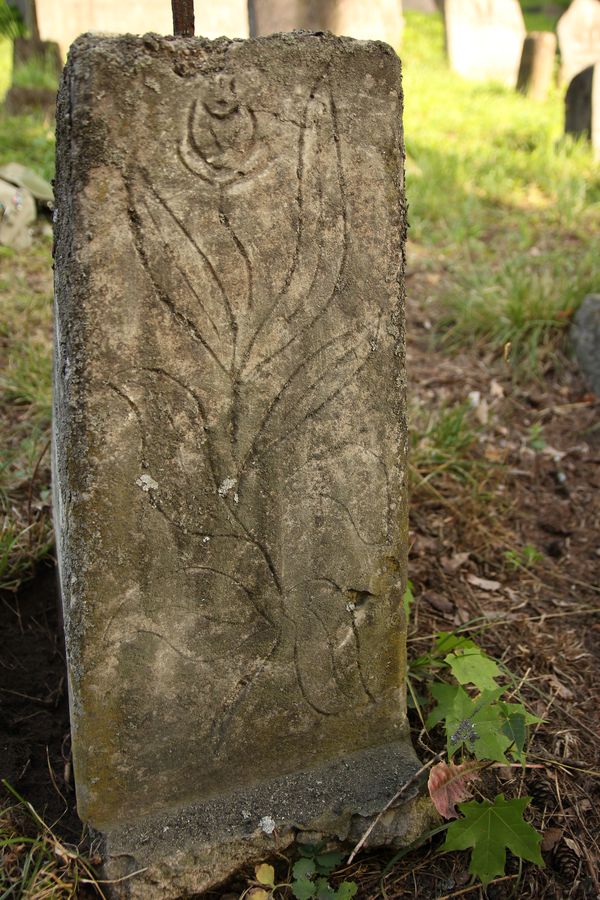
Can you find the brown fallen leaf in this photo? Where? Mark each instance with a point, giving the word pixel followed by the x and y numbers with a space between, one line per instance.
pixel 438 601
pixel 496 389
pixel 423 545
pixel 486 584
pixel 561 690
pixel 550 838
pixel 451 564
pixel 447 785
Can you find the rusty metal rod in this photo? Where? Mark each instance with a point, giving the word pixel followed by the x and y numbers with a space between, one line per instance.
pixel 183 17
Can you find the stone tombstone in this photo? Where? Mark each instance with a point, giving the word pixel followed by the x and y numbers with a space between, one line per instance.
pixel 579 37
pixel 537 64
pixel 582 107
pixel 63 21
pixel 45 54
pixel 484 39
pixel 230 445
pixel 362 19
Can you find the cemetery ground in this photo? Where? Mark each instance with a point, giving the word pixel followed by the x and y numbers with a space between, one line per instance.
pixel 504 474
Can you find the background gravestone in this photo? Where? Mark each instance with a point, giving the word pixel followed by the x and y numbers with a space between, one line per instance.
pixel 40 97
pixel 579 37
pixel 230 445
pixel 585 335
pixel 582 107
pixel 363 19
pixel 484 38
pixel 63 20
pixel 537 64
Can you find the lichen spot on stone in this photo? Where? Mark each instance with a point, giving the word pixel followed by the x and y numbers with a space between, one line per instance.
pixel 226 486
pixel 146 483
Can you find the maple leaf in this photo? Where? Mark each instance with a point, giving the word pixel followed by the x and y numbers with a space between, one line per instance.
pixel 489 828
pixel 473 666
pixel 447 786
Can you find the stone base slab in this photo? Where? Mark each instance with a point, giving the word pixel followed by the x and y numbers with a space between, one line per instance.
pixel 198 847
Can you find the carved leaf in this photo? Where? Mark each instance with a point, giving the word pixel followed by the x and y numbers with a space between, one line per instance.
pixel 319 257
pixel 183 276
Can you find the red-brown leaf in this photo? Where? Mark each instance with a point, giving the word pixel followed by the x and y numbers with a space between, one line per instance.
pixel 448 786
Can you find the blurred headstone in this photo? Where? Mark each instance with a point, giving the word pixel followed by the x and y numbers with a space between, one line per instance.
pixel 585 336
pixel 582 107
pixel 17 213
pixel 423 6
pixel 63 20
pixel 230 446
pixel 362 19
pixel 537 64
pixel 22 100
pixel 579 38
pixel 484 39
pixel 44 54
pixel 26 178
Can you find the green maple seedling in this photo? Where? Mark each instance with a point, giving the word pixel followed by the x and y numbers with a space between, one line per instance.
pixel 488 829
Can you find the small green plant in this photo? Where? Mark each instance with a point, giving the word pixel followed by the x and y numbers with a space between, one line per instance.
pixel 310 877
pixel 535 436
pixel 489 828
pixel 524 558
pixel 482 727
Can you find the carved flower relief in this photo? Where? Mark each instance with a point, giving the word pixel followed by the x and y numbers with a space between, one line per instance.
pixel 220 142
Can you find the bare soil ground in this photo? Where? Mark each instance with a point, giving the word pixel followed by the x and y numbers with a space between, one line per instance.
pixel 532 481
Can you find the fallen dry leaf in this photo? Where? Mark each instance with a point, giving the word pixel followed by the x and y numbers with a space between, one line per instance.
pixel 550 838
pixel 496 389
pixel 447 786
pixel 450 564
pixel 485 584
pixel 574 846
pixel 438 601
pixel 563 692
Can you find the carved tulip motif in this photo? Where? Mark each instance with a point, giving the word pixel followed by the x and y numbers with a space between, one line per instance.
pixel 277 355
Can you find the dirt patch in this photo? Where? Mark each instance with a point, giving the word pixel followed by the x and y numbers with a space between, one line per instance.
pixel 34 725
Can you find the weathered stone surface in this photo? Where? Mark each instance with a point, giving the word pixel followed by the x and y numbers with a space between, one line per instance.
pixel 537 64
pixel 585 335
pixel 375 20
pixel 229 453
pixel 579 38
pixel 63 21
pixel 484 38
pixel 582 107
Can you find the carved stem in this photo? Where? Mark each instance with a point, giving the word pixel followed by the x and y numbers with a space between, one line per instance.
pixel 183 17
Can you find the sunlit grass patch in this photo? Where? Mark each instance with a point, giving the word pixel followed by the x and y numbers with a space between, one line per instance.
pixel 25 410
pixel 521 307
pixel 38 72
pixel 509 204
pixel 28 140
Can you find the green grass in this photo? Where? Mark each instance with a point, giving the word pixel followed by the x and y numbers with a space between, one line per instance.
pixel 28 140
pixel 497 194
pixel 34 863
pixel 25 410
pixel 38 73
